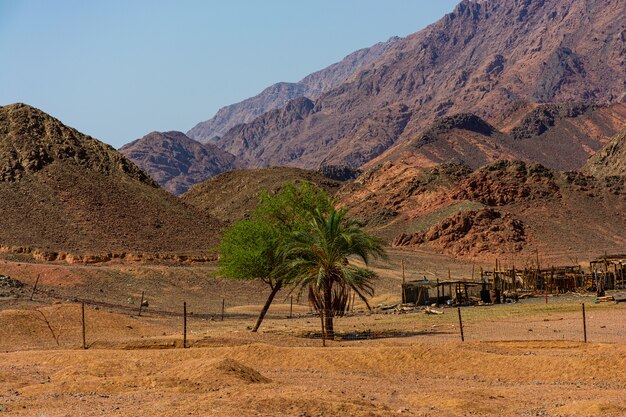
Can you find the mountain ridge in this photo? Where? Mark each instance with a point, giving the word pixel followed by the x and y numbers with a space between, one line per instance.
pixel 480 58
pixel 279 94
pixel 177 162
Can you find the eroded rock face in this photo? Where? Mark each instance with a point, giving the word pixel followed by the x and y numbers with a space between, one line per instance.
pixel 543 117
pixel 472 232
pixel 508 182
pixel 611 160
pixel 463 121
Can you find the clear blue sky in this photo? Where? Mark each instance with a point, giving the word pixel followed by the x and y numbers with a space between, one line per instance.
pixel 118 69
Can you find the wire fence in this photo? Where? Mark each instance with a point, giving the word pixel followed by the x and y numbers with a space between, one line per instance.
pixel 578 319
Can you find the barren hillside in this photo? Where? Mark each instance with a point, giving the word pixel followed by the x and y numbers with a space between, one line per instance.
pixel 65 195
pixel 508 207
pixel 233 195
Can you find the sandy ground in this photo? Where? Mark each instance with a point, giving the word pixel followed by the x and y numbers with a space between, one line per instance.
pixel 526 359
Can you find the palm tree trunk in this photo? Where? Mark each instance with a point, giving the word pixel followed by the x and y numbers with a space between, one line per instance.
pixel 266 307
pixel 328 313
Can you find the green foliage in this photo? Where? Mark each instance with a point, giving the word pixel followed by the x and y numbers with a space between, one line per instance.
pixel 289 208
pixel 322 262
pixel 252 248
pixel 248 250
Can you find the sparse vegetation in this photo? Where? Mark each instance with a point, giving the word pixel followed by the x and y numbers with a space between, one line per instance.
pixel 320 259
pixel 254 248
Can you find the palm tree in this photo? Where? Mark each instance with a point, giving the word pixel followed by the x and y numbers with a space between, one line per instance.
pixel 322 263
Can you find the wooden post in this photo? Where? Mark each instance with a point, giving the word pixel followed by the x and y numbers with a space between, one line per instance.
pixel 403 282
pixel 32 294
pixel 184 325
pixel 82 308
pixel 141 303
pixel 291 307
pixel 584 324
pixel 223 302
pixel 461 324
pixel 537 252
pixel 323 329
pixel 353 295
pixel 437 291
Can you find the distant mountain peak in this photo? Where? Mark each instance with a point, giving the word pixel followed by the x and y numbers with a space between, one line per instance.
pixel 177 162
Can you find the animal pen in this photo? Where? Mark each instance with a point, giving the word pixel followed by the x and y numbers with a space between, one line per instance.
pixel 494 286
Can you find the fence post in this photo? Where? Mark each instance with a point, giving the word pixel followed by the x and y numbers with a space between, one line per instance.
pixel 291 307
pixel 184 325
pixel 584 324
pixel 141 303
pixel 461 324
pixel 32 294
pixel 223 308
pixel 82 308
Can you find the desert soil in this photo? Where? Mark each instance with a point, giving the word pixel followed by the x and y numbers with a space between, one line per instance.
pixel 525 359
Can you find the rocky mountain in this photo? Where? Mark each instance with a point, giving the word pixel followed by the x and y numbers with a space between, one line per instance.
pixel 558 136
pixel 177 162
pixel 483 58
pixel 279 94
pixel 67 196
pixel 611 160
pixel 507 207
pixel 233 195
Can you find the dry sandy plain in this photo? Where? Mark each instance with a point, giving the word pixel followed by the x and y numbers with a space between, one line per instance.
pixel 526 359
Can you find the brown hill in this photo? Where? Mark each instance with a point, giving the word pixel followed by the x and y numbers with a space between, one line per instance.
pixel 482 58
pixel 65 195
pixel 611 160
pixel 233 195
pixel 559 136
pixel 508 207
pixel 279 94
pixel 177 162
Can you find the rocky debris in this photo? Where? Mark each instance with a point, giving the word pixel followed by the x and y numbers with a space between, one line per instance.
pixel 609 161
pixel 463 121
pixel 10 287
pixel 177 162
pixel 339 172
pixel 508 182
pixel 472 232
pixel 443 175
pixel 542 118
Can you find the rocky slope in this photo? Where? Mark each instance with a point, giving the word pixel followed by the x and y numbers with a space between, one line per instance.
pixel 559 136
pixel 482 58
pixel 233 195
pixel 508 207
pixel 611 160
pixel 177 162
pixel 65 195
pixel 279 94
